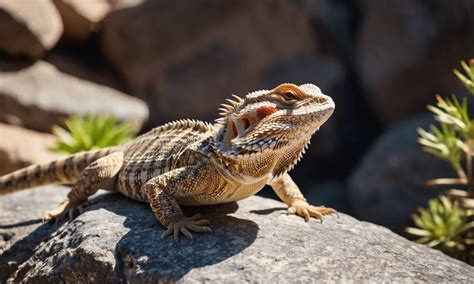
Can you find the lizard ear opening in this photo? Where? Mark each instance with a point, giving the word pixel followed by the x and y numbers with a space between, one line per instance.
pixel 233 130
pixel 246 122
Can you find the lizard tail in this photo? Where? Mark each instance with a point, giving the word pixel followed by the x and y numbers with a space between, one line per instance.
pixel 63 171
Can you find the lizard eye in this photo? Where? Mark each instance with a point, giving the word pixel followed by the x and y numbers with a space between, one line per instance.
pixel 289 96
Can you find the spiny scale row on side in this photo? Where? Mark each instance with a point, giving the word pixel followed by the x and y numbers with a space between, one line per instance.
pixel 194 124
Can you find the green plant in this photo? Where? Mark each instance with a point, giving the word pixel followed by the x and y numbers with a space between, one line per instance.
pixel 447 224
pixel 91 132
pixel 444 226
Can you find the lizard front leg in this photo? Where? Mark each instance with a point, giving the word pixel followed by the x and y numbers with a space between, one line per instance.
pixel 289 193
pixel 164 190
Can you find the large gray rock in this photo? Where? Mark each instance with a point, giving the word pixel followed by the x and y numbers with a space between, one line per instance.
pixel 407 49
pixel 29 28
pixel 37 96
pixel 118 240
pixel 185 65
pixel 390 182
pixel 21 229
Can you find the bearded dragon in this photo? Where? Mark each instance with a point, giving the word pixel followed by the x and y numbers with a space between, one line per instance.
pixel 255 142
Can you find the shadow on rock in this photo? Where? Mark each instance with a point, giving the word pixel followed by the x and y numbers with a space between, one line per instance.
pixel 141 254
pixel 269 210
pixel 23 249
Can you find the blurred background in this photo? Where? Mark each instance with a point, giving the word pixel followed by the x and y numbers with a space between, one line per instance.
pixel 147 62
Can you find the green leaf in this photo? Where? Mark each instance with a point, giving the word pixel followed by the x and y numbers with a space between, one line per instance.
pixel 90 132
pixel 418 232
pixel 442 225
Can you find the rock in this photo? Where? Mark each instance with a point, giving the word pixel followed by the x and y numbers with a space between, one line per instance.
pixel 85 64
pixel 390 182
pixel 334 24
pixel 331 193
pixel 82 18
pixel 187 71
pixel 29 28
pixel 20 148
pixel 38 96
pixel 118 240
pixel 407 50
pixel 351 128
pixel 21 228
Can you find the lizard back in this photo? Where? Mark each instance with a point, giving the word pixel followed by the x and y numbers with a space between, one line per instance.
pixel 161 150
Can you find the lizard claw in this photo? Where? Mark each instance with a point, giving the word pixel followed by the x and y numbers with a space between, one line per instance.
pixel 65 209
pixel 305 210
pixel 184 225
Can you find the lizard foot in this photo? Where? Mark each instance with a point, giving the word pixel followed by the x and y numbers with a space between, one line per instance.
pixel 305 210
pixel 184 225
pixel 66 208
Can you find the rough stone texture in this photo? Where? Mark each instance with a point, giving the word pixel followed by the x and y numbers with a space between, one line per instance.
pixel 20 148
pixel 390 182
pixel 37 96
pixel 351 124
pixel 201 59
pixel 82 18
pixel 119 240
pixel 407 50
pixel 29 27
pixel 21 229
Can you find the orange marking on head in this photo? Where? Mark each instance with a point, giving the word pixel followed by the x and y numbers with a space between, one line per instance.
pixel 288 88
pixel 265 111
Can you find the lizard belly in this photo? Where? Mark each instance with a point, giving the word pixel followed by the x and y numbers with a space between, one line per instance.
pixel 231 193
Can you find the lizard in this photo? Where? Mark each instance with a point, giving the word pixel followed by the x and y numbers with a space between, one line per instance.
pixel 255 142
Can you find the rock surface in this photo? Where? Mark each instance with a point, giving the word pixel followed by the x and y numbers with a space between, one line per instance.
pixel 255 241
pixel 37 96
pixel 407 49
pixel 82 18
pixel 29 27
pixel 202 60
pixel 20 148
pixel 390 182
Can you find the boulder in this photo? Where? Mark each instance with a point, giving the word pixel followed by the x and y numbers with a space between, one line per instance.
pixel 21 228
pixel 333 21
pixel 20 148
pixel 406 52
pixel 86 64
pixel 37 96
pixel 185 65
pixel 330 193
pixel 82 18
pixel 389 184
pixel 29 28
pixel 118 240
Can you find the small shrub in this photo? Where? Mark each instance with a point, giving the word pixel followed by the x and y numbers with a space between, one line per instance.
pixel 444 226
pixel 91 132
pixel 447 224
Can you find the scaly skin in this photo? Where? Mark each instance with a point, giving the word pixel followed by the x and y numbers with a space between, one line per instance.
pixel 255 142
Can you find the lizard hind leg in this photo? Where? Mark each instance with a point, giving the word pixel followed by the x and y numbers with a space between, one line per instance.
pixel 93 177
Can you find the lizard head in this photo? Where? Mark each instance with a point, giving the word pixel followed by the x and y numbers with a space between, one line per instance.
pixel 272 120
